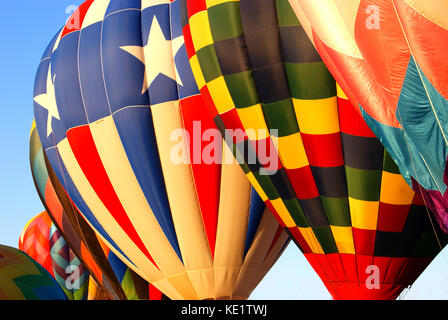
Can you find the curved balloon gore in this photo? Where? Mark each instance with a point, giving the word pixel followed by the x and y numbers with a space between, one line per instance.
pixel 391 57
pixel 68 269
pixel 329 180
pixel 74 229
pixel 22 278
pixel 113 96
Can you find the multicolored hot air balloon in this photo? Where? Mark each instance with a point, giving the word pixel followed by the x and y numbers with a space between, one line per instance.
pixel 42 242
pixel 68 270
pixel 389 57
pixel 114 100
pixel 22 278
pixel 78 234
pixel 330 182
pixel 34 240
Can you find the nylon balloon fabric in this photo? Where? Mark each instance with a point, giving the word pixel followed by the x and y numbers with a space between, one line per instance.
pixel 22 278
pixel 68 270
pixel 112 93
pixel 34 240
pixel 389 57
pixel 324 175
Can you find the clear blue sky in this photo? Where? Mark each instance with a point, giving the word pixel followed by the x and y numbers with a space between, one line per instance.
pixel 26 27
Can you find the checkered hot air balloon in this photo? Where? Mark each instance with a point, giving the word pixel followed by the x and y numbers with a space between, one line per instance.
pixel 112 92
pixel 330 183
pixel 390 58
pixel 22 278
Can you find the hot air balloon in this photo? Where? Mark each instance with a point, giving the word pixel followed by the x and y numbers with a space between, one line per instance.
pixel 68 270
pixel 389 57
pixel 42 242
pixel 22 278
pixel 34 240
pixel 79 234
pixel 114 100
pixel 323 173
